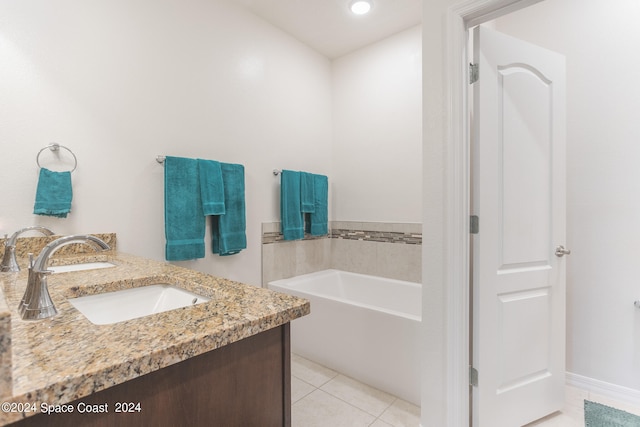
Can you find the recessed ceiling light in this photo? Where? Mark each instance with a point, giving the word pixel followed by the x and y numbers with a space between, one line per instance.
pixel 360 7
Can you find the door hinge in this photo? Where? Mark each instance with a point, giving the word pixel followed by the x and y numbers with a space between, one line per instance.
pixel 473 376
pixel 474 224
pixel 474 73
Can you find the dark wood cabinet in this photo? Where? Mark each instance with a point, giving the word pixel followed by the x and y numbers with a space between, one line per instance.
pixel 247 383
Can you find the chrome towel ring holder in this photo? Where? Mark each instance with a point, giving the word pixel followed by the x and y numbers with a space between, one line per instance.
pixel 56 147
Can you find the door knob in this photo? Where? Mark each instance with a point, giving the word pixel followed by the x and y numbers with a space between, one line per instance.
pixel 561 251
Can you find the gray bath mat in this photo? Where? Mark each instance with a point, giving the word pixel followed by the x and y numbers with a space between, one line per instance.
pixel 597 415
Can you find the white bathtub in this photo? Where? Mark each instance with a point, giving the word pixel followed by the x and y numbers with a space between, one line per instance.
pixel 365 327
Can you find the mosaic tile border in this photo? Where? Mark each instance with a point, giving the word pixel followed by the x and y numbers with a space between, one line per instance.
pixel 276 237
pixel 358 231
pixel 377 236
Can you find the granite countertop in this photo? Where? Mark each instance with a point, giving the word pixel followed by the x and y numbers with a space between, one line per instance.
pixel 67 357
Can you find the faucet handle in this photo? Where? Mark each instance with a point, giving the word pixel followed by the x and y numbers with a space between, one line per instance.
pixel 32 263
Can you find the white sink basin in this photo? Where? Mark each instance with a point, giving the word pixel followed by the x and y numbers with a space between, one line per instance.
pixel 118 306
pixel 79 267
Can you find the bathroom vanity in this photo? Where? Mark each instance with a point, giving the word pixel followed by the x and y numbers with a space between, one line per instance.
pixel 223 362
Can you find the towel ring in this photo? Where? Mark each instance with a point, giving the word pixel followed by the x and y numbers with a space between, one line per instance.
pixel 55 147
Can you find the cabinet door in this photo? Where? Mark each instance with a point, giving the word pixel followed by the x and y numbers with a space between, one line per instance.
pixel 246 383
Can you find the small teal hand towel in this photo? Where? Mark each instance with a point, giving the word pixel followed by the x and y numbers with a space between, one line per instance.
pixel 318 224
pixel 228 231
pixel 211 187
pixel 292 222
pixel 183 219
pixel 307 192
pixel 53 194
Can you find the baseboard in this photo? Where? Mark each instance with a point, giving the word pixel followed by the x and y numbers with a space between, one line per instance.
pixel 613 391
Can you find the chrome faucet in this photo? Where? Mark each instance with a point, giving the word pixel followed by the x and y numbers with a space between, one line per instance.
pixel 9 262
pixel 36 302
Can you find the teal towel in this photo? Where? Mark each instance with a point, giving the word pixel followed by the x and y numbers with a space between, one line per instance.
pixel 53 194
pixel 307 195
pixel 318 224
pixel 211 187
pixel 184 223
pixel 290 206
pixel 228 231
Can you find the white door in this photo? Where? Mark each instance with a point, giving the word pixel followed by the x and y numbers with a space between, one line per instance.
pixel 518 191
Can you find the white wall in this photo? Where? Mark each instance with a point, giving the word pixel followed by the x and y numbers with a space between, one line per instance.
pixel 377 134
pixel 120 82
pixel 600 41
pixel 436 402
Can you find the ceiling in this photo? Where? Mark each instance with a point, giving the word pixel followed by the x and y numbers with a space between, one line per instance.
pixel 330 28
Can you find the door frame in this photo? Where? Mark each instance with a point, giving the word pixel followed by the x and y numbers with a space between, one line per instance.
pixel 457 174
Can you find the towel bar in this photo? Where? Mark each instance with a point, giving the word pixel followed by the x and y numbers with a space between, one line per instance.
pixel 55 147
pixel 276 172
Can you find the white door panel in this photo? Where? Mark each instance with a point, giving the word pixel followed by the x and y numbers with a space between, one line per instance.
pixel 519 196
pixel 526 150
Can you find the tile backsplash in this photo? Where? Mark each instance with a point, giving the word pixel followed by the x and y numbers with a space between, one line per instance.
pixel 390 250
pixel 26 245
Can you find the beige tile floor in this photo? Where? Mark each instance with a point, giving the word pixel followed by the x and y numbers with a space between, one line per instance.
pixel 321 397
